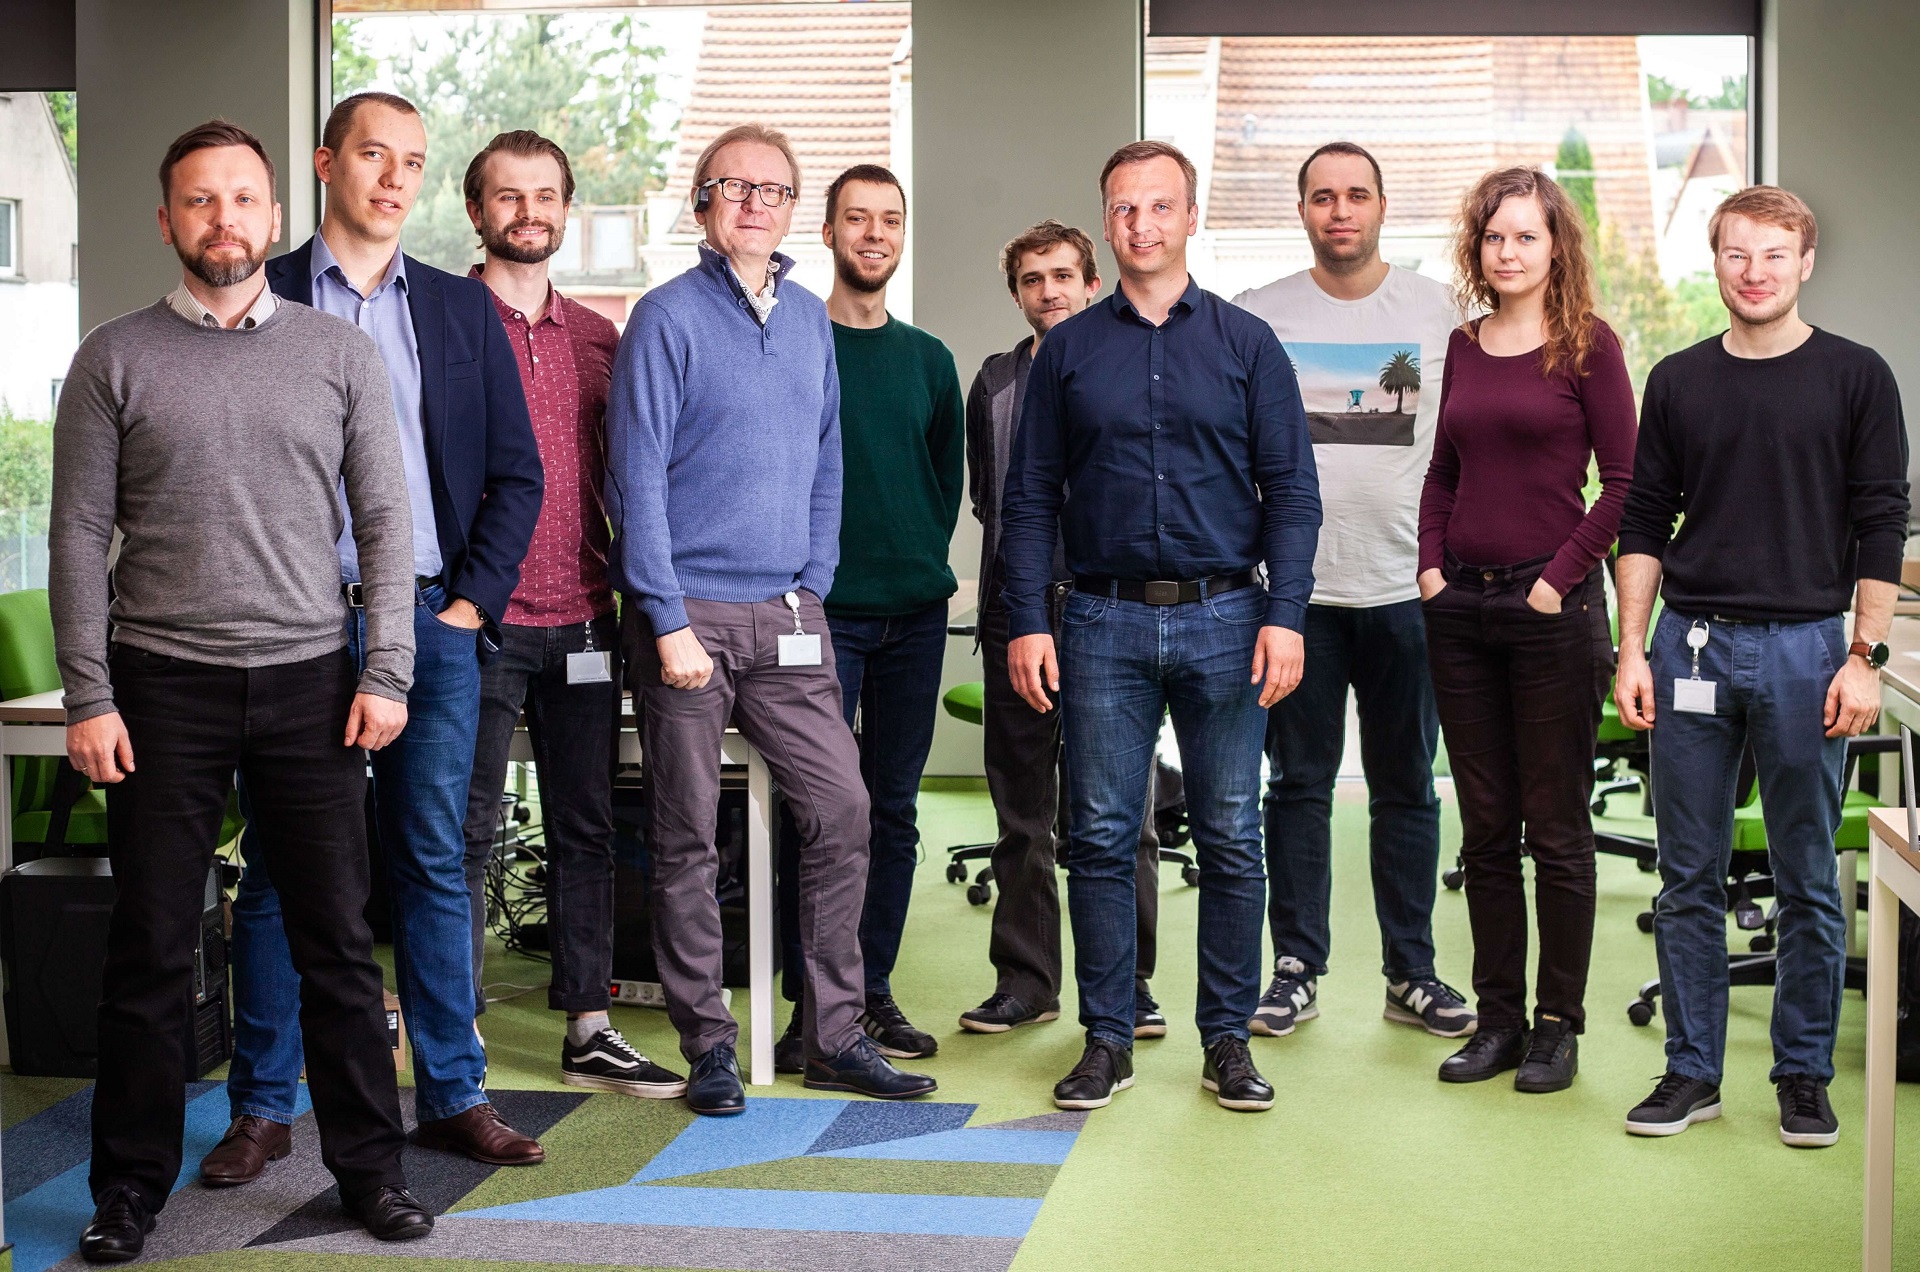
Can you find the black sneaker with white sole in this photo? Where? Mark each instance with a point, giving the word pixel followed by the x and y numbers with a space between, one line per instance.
pixel 1806 1115
pixel 1552 1059
pixel 1148 1022
pixel 1002 1012
pixel 1676 1103
pixel 1235 1083
pixel 1290 999
pixel 1103 1069
pixel 892 1032
pixel 608 1062
pixel 1432 1004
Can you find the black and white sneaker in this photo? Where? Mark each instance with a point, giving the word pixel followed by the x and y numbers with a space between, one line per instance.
pixel 1806 1115
pixel 1103 1069
pixel 1432 1004
pixel 608 1062
pixel 1676 1103
pixel 1291 999
pixel 892 1032
pixel 1148 1022
pixel 1002 1012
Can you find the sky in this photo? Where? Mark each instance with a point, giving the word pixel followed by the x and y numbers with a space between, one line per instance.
pixel 1694 62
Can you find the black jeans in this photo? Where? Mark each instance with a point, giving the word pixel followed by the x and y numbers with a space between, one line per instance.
pixel 572 728
pixel 1519 698
pixel 192 725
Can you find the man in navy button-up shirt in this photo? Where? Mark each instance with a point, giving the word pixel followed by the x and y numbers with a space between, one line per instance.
pixel 1163 437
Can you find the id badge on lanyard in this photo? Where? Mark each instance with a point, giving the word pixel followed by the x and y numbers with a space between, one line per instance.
pixel 801 648
pixel 590 666
pixel 1692 693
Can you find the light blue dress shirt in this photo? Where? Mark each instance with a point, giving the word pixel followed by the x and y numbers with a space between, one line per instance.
pixel 385 315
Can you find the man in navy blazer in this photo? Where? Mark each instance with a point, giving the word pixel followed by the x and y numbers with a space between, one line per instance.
pixel 474 482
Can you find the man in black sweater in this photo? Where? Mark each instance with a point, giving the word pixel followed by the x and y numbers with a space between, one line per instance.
pixel 1784 448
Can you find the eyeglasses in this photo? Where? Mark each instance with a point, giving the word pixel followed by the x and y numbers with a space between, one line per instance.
pixel 736 190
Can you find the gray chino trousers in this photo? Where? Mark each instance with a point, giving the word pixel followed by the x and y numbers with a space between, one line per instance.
pixel 792 717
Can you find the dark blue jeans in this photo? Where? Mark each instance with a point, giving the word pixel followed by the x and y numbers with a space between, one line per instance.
pixel 420 797
pixel 1382 652
pixel 1772 683
pixel 890 670
pixel 1124 665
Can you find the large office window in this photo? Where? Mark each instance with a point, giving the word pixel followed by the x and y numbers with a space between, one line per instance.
pixel 1646 134
pixel 633 95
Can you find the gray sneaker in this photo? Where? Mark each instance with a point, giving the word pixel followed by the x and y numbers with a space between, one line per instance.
pixel 1432 1004
pixel 1290 999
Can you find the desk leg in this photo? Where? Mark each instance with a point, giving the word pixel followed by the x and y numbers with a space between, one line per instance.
pixel 760 838
pixel 1883 955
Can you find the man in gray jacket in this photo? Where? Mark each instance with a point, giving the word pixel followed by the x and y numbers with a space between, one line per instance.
pixel 1053 274
pixel 214 428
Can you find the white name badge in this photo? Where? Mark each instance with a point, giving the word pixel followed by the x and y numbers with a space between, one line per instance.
pixel 801 649
pixel 1693 695
pixel 590 667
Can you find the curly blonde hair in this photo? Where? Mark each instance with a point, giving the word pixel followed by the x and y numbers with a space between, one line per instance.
pixel 1570 318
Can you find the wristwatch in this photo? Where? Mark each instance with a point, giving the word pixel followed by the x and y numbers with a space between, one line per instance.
pixel 1875 654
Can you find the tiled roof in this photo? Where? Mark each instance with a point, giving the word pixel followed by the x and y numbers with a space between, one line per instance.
pixel 822 75
pixel 1436 113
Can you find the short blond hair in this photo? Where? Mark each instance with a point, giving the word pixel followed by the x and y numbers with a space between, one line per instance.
pixel 1769 205
pixel 759 133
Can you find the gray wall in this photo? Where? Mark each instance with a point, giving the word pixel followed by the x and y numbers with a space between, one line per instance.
pixel 1012 118
pixel 148 72
pixel 1843 118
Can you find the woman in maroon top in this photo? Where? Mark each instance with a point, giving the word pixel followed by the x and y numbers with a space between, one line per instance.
pixel 1516 611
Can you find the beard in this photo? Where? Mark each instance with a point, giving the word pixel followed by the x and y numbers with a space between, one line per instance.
pixel 849 268
pixel 228 271
pixel 1345 257
pixel 500 242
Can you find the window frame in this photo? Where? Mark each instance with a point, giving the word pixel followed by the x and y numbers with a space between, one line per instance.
pixel 10 239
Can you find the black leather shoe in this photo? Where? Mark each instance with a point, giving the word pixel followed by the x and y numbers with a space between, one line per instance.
pixel 1235 1083
pixel 1103 1069
pixel 864 1071
pixel 790 1052
pixel 1490 1052
pixel 1553 1057
pixel 713 1088
pixel 392 1214
pixel 121 1222
pixel 1002 1012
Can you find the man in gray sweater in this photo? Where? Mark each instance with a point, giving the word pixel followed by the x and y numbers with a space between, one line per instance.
pixel 214 429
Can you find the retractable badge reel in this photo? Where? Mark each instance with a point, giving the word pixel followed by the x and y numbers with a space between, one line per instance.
pixel 589 666
pixel 1692 693
pixel 801 648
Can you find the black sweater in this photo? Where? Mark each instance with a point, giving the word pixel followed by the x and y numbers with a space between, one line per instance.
pixel 1791 473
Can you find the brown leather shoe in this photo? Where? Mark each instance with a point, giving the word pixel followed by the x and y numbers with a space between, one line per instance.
pixel 482 1134
pixel 244 1151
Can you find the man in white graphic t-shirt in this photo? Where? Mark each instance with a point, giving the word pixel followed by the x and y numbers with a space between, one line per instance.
pixel 1368 341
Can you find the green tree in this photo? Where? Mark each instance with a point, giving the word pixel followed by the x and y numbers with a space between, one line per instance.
pixel 1574 164
pixel 590 86
pixel 1400 377
pixel 66 114
pixel 1661 90
pixel 26 469
pixel 1732 95
pixel 1651 319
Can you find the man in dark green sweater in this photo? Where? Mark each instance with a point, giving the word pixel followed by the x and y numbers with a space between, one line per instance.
pixel 903 440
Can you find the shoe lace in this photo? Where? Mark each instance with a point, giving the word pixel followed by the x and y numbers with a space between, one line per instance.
pixel 1669 1087
pixel 882 1010
pixel 1543 1044
pixel 1095 1061
pixel 1803 1095
pixel 998 1002
pixel 1232 1061
pixel 1439 991
pixel 614 1038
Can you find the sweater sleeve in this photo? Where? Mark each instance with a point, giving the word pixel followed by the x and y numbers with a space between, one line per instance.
pixel 1877 494
pixel 1654 500
pixel 947 436
pixel 1443 471
pixel 376 487
pixel 1606 395
pixel 1035 490
pixel 86 473
pixel 824 528
pixel 643 409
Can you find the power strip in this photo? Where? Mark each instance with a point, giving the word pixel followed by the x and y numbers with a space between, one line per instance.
pixel 649 994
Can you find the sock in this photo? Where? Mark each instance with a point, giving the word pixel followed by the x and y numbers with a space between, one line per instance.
pixel 580 1031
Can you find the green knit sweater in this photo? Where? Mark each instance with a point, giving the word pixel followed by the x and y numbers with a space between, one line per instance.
pixel 903 442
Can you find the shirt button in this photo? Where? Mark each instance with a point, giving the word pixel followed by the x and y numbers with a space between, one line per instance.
pixel 536 357
pixel 1156 377
pixel 1159 476
pixel 1488 576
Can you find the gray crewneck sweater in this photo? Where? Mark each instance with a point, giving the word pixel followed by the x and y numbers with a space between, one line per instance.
pixel 219 454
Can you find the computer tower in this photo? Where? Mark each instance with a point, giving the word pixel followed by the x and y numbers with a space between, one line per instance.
pixel 54 914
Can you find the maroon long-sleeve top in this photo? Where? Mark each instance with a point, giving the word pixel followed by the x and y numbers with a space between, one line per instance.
pixel 1510 457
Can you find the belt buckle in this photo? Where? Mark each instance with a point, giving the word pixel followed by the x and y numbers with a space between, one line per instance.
pixel 1161 592
pixel 356 596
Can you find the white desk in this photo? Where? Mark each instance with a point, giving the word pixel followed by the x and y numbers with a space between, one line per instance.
pixel 36 725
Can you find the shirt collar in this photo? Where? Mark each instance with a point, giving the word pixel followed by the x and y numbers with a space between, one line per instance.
pixel 556 312
pixel 777 264
pixel 184 303
pixel 1188 302
pixel 325 262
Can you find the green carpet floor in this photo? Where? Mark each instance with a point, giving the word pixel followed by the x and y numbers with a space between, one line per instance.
pixel 1367 1161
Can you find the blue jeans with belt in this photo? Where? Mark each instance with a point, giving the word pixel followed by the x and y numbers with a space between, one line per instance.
pixel 1123 666
pixel 1771 682
pixel 420 797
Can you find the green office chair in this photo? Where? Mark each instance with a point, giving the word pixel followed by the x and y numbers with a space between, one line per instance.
pixel 968 703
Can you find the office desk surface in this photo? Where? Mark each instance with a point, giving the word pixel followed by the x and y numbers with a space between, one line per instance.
pixel 34 708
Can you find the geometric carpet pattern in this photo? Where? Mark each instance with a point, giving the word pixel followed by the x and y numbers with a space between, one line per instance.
pixel 791 1185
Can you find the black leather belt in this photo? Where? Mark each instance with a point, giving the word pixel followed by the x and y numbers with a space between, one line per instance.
pixel 356 592
pixel 1164 591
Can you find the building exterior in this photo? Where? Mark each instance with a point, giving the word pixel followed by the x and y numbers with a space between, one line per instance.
pixel 39 257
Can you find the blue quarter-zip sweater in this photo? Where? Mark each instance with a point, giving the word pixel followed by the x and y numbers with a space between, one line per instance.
pixel 723 445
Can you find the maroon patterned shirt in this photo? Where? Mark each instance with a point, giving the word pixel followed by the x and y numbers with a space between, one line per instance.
pixel 566 361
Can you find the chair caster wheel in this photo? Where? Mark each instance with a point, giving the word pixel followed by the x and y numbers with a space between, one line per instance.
pixel 1761 944
pixel 1644 920
pixel 956 872
pixel 1640 1012
pixel 979 893
pixel 1190 875
pixel 1454 879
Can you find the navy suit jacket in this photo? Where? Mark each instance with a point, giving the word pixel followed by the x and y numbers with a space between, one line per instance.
pixel 481 456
